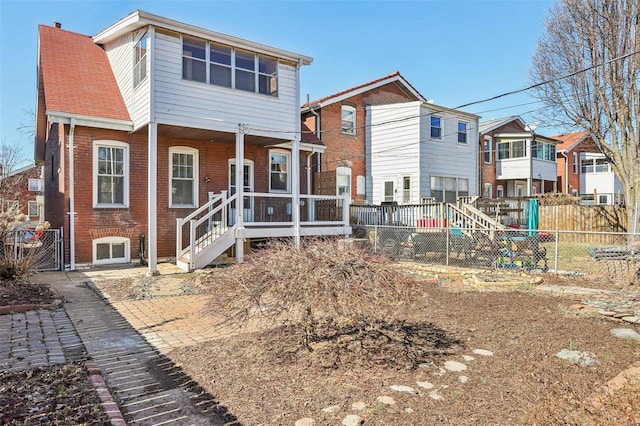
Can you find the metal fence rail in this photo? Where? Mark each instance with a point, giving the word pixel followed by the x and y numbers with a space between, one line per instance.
pixel 551 251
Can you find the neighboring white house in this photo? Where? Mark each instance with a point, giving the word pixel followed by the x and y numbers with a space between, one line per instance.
pixel 418 149
pixel 598 182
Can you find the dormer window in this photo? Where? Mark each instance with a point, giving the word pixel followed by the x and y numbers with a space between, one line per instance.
pixel 348 120
pixel 221 65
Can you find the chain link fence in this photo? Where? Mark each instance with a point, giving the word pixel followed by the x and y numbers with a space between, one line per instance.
pixel 561 252
pixel 41 250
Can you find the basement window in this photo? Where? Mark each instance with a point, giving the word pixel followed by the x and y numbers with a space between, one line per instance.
pixel 108 250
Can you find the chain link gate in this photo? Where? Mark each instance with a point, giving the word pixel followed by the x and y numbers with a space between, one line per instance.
pixel 43 247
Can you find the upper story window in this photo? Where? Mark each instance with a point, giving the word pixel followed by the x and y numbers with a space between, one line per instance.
pixel 183 189
pixel 194 60
pixel 36 185
pixel 279 170
pixel 221 65
pixel 110 174
pixel 513 149
pixel 140 65
pixel 348 120
pixel 595 165
pixel 462 132
pixel 436 127
pixel 486 149
pixel 575 163
pixel 543 151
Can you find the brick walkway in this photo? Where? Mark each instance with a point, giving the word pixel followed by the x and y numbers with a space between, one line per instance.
pixel 148 388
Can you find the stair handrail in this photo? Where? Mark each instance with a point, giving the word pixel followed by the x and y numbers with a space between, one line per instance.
pixel 223 201
pixel 491 223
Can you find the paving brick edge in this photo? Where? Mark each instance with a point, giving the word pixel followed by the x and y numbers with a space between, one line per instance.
pixel 16 309
pixel 107 400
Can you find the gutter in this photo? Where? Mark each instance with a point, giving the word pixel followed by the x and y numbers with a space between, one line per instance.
pixel 72 204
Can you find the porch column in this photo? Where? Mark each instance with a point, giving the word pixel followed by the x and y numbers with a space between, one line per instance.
pixel 295 165
pixel 152 218
pixel 240 192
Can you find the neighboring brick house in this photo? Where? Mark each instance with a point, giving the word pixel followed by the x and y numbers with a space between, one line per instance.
pixel 585 172
pixel 23 188
pixel 138 128
pixel 515 161
pixel 339 121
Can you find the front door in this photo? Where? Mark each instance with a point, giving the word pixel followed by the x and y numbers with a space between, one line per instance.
pixel 247 178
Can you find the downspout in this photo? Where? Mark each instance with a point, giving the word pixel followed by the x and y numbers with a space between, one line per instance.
pixel 312 111
pixel 566 170
pixel 72 203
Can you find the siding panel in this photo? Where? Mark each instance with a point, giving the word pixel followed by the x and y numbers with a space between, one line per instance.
pixel 186 103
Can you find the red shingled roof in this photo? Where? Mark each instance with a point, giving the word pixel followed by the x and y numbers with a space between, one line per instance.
pixel 77 76
pixel 567 141
pixel 360 86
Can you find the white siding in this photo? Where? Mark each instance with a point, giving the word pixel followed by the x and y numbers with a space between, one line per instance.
pixel 200 105
pixel 120 54
pixel 602 182
pixel 445 156
pixel 393 147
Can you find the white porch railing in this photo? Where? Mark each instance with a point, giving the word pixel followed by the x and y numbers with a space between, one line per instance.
pixel 265 215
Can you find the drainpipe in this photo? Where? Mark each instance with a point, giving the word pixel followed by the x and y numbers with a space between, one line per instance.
pixel 72 203
pixel 317 119
pixel 566 170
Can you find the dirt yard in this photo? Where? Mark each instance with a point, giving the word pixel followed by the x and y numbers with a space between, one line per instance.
pixel 462 354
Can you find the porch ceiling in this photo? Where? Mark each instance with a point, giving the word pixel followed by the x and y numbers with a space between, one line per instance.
pixel 178 132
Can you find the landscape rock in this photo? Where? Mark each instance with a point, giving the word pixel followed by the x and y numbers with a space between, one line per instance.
pixel 352 420
pixel 331 409
pixel 402 388
pixel 468 358
pixel 454 366
pixel 408 410
pixel 625 333
pixel 359 405
pixel 632 319
pixel 386 400
pixel 435 395
pixel 463 379
pixel 426 385
pixel 482 352
pixel 306 421
pixel 583 359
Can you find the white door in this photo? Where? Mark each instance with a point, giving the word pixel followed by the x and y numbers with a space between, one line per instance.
pixel 247 180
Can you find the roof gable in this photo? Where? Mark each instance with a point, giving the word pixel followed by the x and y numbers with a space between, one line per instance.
pixel 570 140
pixel 491 125
pixel 395 77
pixel 77 76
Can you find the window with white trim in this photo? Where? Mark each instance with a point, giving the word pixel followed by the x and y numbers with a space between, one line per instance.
pixel 183 185
pixel 221 65
pixel 110 174
pixel 33 209
pixel 500 191
pixel 343 180
pixel 447 189
pixel 109 250
pixel 462 132
pixel 486 149
pixel 436 127
pixel 575 163
pixel 140 61
pixel 348 120
pixel 279 165
pixel 389 193
pixel 36 185
pixel 406 189
pixel 488 190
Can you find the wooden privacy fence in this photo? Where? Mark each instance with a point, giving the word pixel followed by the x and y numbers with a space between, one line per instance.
pixel 575 217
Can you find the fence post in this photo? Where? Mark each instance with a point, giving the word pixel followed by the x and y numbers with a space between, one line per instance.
pixel 446 249
pixel 555 257
pixel 375 238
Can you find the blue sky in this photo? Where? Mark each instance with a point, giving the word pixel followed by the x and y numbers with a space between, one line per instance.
pixel 454 52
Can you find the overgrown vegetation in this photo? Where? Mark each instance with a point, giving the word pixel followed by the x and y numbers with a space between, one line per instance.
pixel 331 285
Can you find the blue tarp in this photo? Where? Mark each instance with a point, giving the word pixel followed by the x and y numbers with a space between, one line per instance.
pixel 532 217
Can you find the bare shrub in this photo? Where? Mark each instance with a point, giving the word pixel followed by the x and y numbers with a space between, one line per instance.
pixel 333 283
